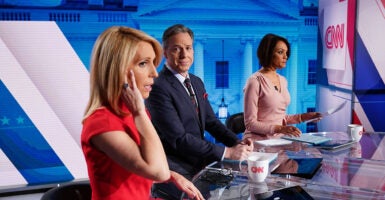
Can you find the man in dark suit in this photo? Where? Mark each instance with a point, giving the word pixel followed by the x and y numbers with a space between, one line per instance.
pixel 181 115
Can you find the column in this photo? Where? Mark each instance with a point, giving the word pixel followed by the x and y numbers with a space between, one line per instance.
pixel 292 72
pixel 199 58
pixel 247 65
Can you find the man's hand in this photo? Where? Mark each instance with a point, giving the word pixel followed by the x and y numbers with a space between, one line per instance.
pixel 240 151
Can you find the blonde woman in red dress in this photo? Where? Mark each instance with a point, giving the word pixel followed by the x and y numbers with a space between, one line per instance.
pixel 123 152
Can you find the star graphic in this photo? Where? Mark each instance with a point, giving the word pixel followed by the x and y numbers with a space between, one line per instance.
pixel 20 120
pixel 5 120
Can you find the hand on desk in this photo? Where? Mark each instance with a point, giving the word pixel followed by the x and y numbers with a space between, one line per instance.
pixel 240 151
pixel 186 186
pixel 288 130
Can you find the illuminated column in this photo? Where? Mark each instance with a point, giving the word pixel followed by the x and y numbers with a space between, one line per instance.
pixel 199 58
pixel 292 75
pixel 247 64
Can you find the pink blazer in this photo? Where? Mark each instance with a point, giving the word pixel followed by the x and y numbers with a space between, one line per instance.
pixel 265 107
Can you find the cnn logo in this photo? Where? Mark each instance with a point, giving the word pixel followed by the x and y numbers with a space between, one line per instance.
pixel 257 169
pixel 334 36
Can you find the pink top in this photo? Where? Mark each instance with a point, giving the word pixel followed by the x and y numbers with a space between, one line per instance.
pixel 265 107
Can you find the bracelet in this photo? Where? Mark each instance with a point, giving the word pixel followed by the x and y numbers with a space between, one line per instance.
pixel 300 118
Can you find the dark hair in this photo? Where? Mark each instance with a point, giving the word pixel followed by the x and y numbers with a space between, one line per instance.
pixel 266 48
pixel 173 30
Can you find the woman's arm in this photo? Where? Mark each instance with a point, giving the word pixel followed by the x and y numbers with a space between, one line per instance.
pixel 186 186
pixel 147 159
pixel 303 117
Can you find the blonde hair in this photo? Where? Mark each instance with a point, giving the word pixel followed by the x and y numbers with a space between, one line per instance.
pixel 113 51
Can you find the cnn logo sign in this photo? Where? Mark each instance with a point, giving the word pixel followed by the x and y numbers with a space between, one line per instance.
pixel 334 36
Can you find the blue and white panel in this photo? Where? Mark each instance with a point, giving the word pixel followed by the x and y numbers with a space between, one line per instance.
pixel 43 94
pixel 336 31
pixel 369 76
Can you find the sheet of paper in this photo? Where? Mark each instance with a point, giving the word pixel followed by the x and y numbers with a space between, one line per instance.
pixel 334 110
pixel 273 142
pixel 329 112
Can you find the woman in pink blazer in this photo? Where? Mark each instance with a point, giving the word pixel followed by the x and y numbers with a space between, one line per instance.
pixel 267 96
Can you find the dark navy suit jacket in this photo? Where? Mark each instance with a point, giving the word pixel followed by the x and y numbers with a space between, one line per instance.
pixel 180 128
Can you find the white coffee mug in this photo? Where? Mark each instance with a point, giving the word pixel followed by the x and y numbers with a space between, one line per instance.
pixel 355 131
pixel 257 167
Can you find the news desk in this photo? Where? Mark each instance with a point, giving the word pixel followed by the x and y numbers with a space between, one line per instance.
pixel 353 172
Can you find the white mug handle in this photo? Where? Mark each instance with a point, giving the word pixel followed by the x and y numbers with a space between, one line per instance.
pixel 240 165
